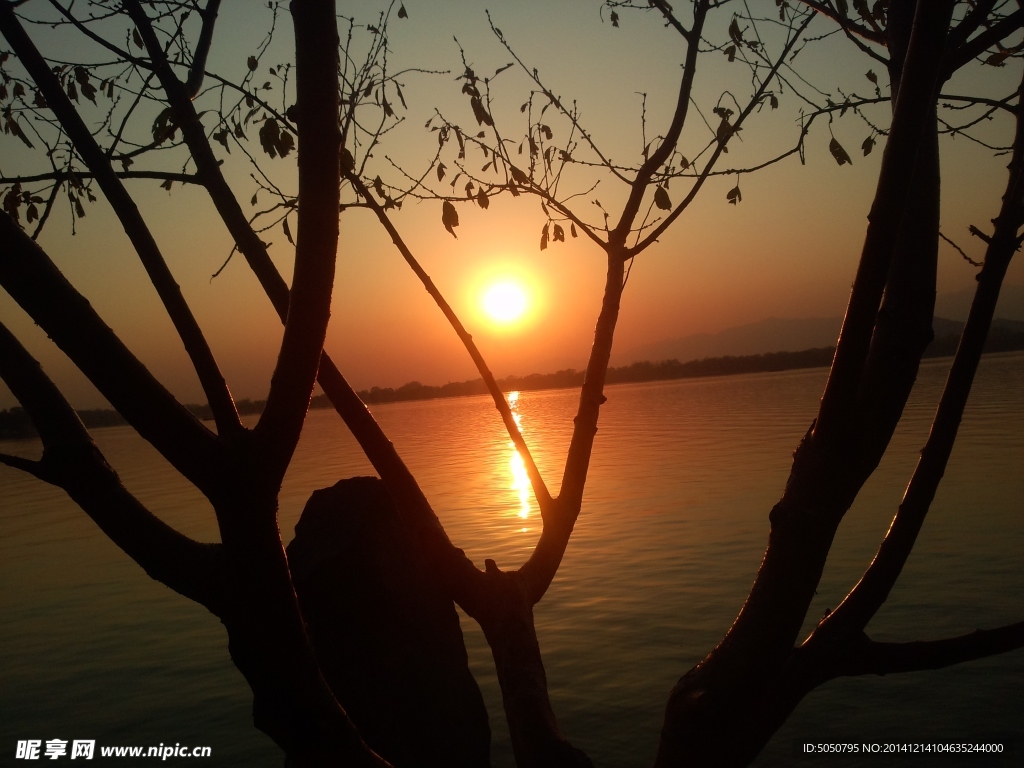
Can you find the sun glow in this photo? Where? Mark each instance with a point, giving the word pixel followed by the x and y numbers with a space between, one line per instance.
pixel 504 302
pixel 520 478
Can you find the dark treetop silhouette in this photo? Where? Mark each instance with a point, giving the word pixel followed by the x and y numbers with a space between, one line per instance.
pixel 723 710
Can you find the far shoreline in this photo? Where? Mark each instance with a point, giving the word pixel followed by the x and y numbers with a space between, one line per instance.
pixel 16 425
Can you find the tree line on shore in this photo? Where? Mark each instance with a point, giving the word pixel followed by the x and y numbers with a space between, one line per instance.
pixel 15 423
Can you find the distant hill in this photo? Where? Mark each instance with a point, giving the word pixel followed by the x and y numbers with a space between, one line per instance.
pixel 773 335
pixel 956 305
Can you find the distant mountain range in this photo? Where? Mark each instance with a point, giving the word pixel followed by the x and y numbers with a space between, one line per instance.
pixel 775 334
pixel 790 335
pixel 956 305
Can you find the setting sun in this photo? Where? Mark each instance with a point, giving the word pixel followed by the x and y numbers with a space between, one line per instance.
pixel 504 302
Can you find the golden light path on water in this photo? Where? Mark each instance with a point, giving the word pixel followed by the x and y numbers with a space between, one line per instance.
pixel 520 480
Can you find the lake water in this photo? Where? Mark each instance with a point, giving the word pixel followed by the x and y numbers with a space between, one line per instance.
pixel 672 531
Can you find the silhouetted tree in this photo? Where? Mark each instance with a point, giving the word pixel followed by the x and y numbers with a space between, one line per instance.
pixel 722 711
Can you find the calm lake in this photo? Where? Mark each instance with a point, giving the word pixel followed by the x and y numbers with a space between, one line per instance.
pixel 673 527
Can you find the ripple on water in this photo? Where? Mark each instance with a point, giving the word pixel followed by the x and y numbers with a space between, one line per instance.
pixel 673 528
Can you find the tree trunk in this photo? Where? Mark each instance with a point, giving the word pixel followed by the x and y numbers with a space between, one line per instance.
pixel 716 711
pixel 386 635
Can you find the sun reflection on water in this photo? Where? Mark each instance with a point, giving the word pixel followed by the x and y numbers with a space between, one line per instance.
pixel 520 479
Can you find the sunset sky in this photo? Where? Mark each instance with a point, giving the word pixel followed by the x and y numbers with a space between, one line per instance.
pixel 788 249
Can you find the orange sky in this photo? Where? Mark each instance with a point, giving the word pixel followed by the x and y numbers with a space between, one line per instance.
pixel 788 249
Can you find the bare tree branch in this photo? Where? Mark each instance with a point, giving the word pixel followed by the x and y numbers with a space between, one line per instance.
pixel 971 22
pixel 539 570
pixel 316 64
pixel 84 29
pixel 861 604
pixel 820 659
pixel 1003 104
pixel 64 176
pixel 914 103
pixel 198 68
pixel 871 657
pixel 617 237
pixel 509 628
pixel 460 578
pixel 1002 29
pixel 666 10
pixel 127 212
pixel 73 462
pixel 28 466
pixel 47 208
pixel 851 27
pixel 962 252
pixel 536 481
pixel 838 646
pixel 728 685
pixel 720 146
pixel 29 276
pixel 571 116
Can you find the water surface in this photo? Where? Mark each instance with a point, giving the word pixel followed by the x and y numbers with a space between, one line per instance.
pixel 673 528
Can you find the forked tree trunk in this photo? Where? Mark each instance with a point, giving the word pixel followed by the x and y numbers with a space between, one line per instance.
pixel 716 713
